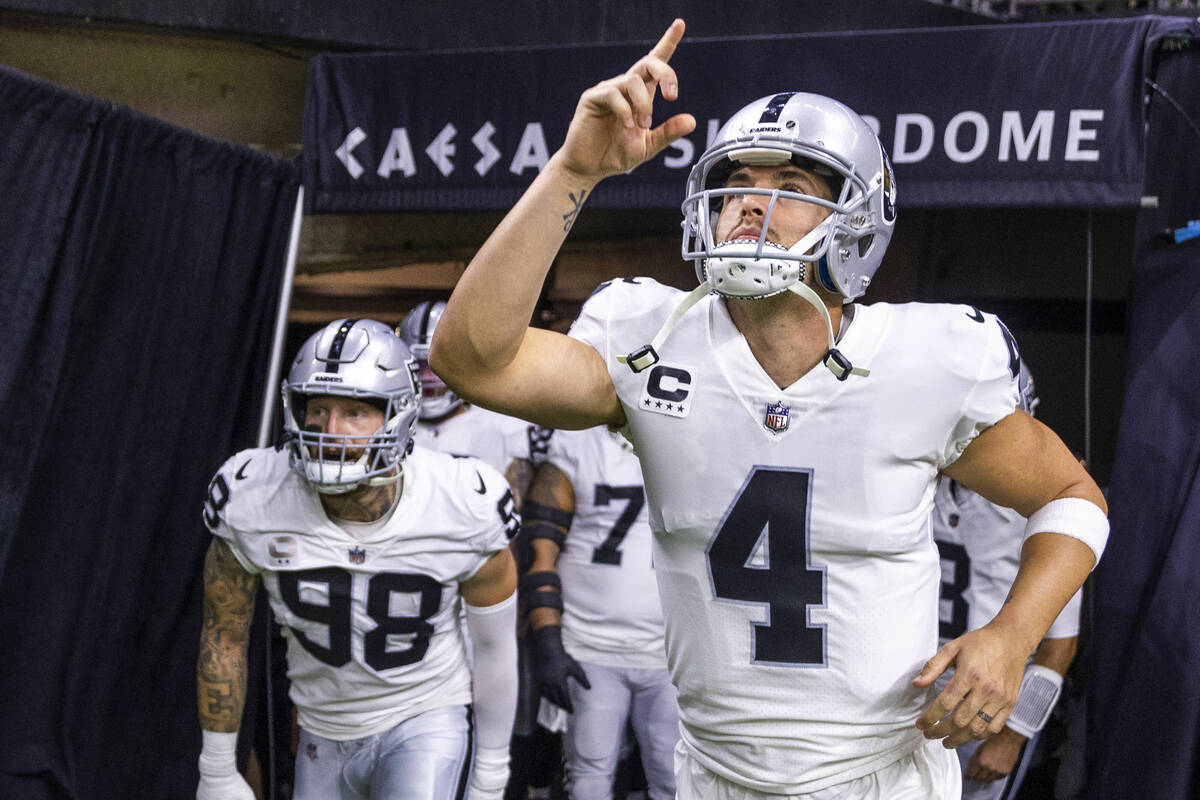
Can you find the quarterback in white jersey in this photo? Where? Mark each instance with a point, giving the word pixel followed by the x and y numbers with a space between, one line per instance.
pixel 367 552
pixel 790 440
pixel 587 523
pixel 793 524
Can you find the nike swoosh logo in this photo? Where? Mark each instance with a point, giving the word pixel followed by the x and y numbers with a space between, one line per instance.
pixel 241 473
pixel 482 489
pixel 976 315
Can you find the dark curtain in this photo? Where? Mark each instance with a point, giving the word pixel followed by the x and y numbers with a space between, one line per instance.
pixel 141 266
pixel 1144 692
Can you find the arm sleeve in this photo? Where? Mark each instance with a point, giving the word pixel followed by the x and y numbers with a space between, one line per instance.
pixel 493 631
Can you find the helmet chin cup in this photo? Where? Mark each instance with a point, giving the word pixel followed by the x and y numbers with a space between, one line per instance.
pixel 739 269
pixel 762 269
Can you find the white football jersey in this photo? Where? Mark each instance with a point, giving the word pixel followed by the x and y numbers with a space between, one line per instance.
pixel 371 620
pixel 796 567
pixel 980 547
pixel 611 614
pixel 495 438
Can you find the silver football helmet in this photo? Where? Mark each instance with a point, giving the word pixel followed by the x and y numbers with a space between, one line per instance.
pixel 417 332
pixel 816 133
pixel 361 359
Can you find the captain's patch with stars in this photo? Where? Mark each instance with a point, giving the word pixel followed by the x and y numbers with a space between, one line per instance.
pixel 668 390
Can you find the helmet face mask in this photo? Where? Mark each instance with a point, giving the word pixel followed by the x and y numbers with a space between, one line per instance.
pixel 361 360
pixel 821 136
pixel 437 400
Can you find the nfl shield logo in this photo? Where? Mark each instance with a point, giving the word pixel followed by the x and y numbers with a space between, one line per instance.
pixel 777 417
pixel 357 555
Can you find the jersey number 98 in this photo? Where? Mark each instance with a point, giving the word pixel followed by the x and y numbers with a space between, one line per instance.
pixel 337 615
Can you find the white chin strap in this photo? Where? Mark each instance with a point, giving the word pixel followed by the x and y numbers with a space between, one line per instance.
pixel 647 355
pixel 834 361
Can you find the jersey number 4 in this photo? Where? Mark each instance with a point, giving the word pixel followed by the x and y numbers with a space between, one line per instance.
pixel 337 615
pixel 760 555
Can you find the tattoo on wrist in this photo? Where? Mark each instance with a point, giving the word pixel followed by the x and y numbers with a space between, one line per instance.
pixel 569 217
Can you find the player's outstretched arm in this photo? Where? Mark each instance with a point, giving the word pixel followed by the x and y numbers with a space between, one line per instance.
pixel 229 593
pixel 491 606
pixel 1022 464
pixel 483 347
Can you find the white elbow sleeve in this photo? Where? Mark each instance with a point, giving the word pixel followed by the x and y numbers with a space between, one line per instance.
pixel 1075 517
pixel 493 631
pixel 1039 692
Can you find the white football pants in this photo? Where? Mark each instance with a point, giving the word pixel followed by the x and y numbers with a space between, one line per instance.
pixel 426 757
pixel 642 698
pixel 928 773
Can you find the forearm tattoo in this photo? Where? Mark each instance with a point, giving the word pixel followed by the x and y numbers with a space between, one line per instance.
pixel 569 217
pixel 229 593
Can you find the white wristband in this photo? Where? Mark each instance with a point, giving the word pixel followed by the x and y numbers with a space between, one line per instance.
pixel 1075 517
pixel 218 753
pixel 1040 689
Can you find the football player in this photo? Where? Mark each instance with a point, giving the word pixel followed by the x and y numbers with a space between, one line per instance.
pixel 980 544
pixel 367 549
pixel 595 620
pixel 449 425
pixel 791 441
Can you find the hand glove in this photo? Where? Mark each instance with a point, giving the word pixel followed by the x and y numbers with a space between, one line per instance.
pixel 552 666
pixel 219 778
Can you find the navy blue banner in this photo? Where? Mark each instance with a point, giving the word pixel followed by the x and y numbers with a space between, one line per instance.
pixel 991 115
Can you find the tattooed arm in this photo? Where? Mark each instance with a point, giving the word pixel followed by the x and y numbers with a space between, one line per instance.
pixel 229 593
pixel 221 671
pixel 483 346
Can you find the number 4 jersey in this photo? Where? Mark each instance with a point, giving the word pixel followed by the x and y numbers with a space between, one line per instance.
pixel 797 571
pixel 370 611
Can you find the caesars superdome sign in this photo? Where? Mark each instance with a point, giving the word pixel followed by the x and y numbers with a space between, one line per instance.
pixel 1006 115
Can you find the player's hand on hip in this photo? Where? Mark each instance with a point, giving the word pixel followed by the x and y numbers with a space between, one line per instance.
pixel 553 667
pixel 223 787
pixel 995 758
pixel 988 667
pixel 612 131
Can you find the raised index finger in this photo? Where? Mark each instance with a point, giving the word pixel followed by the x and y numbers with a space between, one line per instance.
pixel 666 45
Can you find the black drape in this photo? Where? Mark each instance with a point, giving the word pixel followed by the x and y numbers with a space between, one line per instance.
pixel 1144 693
pixel 141 265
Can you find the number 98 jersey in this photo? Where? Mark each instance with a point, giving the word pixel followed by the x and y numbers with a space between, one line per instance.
pixel 369 610
pixel 796 567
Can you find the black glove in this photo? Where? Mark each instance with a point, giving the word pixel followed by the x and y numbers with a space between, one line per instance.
pixel 552 666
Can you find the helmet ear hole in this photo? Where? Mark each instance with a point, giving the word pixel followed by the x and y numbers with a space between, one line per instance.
pixel 864 245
